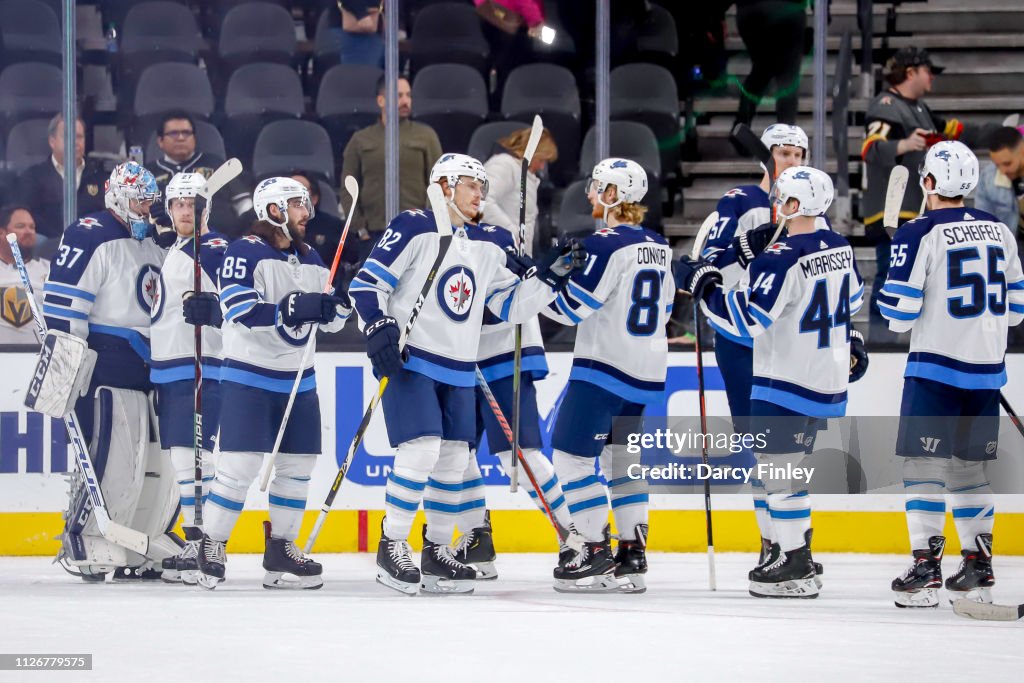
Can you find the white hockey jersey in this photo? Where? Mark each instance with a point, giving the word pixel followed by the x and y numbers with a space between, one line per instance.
pixel 473 276
pixel 259 349
pixel 102 286
pixel 804 291
pixel 621 301
pixel 173 339
pixel 16 324
pixel 955 279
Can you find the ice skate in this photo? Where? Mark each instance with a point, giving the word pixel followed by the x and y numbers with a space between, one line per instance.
pixel 395 568
pixel 212 558
pixel 631 562
pixel 591 569
pixel 441 572
pixel 974 579
pixel 287 567
pixel 919 585
pixel 476 549
pixel 186 563
pixel 790 575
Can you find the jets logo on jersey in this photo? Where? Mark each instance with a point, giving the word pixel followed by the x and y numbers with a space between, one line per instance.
pixel 606 232
pixel 158 306
pixel 252 239
pixel 777 248
pixel 297 335
pixel 217 243
pixel 88 222
pixel 735 192
pixel 147 287
pixel 455 292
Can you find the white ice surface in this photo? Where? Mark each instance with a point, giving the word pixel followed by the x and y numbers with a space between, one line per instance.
pixel 514 629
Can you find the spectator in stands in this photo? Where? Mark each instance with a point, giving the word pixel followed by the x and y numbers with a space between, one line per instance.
pixel 41 187
pixel 504 170
pixel 176 138
pixel 510 27
pixel 16 326
pixel 419 148
pixel 323 231
pixel 1001 186
pixel 361 41
pixel 773 32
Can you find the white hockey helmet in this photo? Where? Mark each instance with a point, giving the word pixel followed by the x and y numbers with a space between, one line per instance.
pixel 811 187
pixel 129 182
pixel 953 166
pixel 280 191
pixel 184 186
pixel 786 134
pixel 453 167
pixel 628 177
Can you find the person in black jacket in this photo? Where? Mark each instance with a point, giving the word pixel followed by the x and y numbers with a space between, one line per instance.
pixel 773 31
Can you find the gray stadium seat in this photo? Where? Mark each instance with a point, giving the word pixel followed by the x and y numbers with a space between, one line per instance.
pixel 170 87
pixel 288 146
pixel 256 95
pixel 27 144
pixel 626 139
pixel 647 94
pixel 31 32
pixel 326 46
pixel 347 101
pixel 658 33
pixel 452 99
pixel 208 141
pixel 256 32
pixel 156 32
pixel 483 144
pixel 449 32
pixel 29 90
pixel 574 214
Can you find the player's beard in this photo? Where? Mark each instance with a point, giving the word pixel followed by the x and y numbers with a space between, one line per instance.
pixel 298 233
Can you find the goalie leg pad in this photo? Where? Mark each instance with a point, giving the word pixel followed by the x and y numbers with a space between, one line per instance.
pixel 63 371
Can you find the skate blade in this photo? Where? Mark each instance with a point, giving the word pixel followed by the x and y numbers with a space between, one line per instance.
pixel 603 583
pixel 926 597
pixel 817 581
pixel 208 582
pixel 485 571
pixel 982 595
pixel 385 579
pixel 436 585
pixel 190 578
pixel 286 581
pixel 171 576
pixel 632 583
pixel 805 589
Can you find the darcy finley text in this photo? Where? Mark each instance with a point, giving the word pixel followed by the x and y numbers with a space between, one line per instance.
pixel 762 471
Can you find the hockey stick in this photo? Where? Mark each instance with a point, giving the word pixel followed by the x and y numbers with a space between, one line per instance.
pixel 1010 411
pixel 224 174
pixel 987 611
pixel 352 187
pixel 517 355
pixel 109 529
pixel 443 222
pixel 894 192
pixel 698 246
pixel 572 540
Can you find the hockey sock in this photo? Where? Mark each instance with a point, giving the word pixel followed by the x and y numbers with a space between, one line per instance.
pixel 791 518
pixel 924 480
pixel 236 470
pixel 441 499
pixel 588 502
pixel 761 513
pixel 472 504
pixel 972 500
pixel 628 495
pixel 413 462
pixel 183 461
pixel 288 491
pixel 544 471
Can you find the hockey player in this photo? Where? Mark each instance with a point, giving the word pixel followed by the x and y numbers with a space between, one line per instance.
pixel 955 282
pixel 429 402
pixel 743 230
pixel 102 286
pixel 620 302
pixel 271 295
pixel 797 309
pixel 173 348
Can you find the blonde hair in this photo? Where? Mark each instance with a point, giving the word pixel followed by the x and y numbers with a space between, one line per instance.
pixel 631 213
pixel 515 144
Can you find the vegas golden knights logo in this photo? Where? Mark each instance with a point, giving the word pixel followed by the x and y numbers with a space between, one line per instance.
pixel 14 307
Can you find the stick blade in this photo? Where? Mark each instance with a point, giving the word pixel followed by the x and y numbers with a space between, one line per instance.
pixel 701 239
pixel 127 537
pixel 224 174
pixel 987 611
pixel 536 130
pixel 439 206
pixel 894 192
pixel 352 187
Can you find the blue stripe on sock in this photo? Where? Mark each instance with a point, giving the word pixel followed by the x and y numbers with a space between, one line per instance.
pixel 970 513
pixel 926 506
pixel 587 504
pixel 226 503
pixel 399 503
pixel 790 514
pixel 287 502
pixel 629 500
pixel 580 483
pixel 407 483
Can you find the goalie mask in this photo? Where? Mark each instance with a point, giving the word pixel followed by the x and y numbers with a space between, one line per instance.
pixel 953 166
pixel 280 192
pixel 811 187
pixel 128 184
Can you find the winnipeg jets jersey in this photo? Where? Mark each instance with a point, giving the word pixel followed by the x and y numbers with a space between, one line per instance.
pixel 620 301
pixel 102 286
pixel 955 280
pixel 804 291
pixel 498 338
pixel 173 339
pixel 259 349
pixel 473 276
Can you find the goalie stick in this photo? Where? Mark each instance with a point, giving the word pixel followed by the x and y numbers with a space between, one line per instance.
pixel 894 192
pixel 224 174
pixel 352 187
pixel 109 529
pixel 986 611
pixel 517 354
pixel 443 222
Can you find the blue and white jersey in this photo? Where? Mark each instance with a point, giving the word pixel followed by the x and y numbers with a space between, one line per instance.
pixel 620 301
pixel 173 339
pixel 473 276
pixel 955 280
pixel 102 286
pixel 804 291
pixel 498 338
pixel 259 349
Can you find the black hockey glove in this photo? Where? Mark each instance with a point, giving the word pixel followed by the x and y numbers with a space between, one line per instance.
pixel 382 337
pixel 559 262
pixel 694 276
pixel 523 266
pixel 203 309
pixel 298 308
pixel 858 356
pixel 750 244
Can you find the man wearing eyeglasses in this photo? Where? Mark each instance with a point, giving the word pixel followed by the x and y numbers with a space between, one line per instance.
pixel 176 138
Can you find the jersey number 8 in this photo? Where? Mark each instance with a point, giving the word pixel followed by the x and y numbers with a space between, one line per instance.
pixel 642 318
